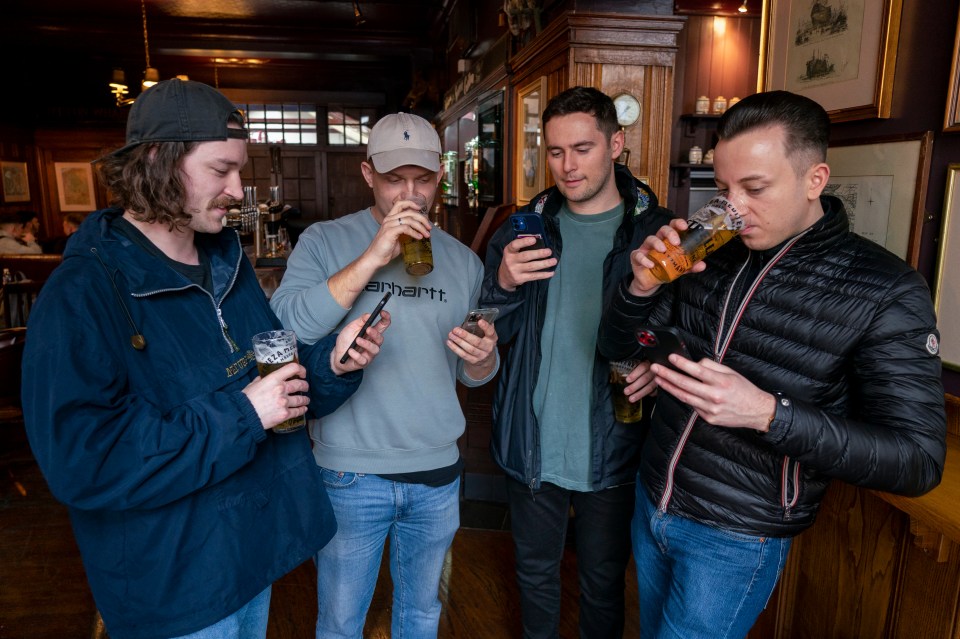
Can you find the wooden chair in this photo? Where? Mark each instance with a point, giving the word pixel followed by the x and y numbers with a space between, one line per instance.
pixel 17 299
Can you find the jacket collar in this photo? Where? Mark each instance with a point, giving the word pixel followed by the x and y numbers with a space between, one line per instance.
pixel 143 273
pixel 638 198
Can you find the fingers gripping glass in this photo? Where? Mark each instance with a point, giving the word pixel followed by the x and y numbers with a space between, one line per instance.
pixel 366 325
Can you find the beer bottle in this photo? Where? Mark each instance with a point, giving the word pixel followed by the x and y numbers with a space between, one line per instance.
pixel 708 229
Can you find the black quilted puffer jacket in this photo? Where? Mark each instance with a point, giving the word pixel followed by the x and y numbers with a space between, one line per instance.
pixel 842 331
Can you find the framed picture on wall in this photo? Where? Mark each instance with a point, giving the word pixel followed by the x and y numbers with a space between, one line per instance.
pixel 16 188
pixel 530 156
pixel 841 53
pixel 952 120
pixel 75 190
pixel 882 183
pixel 946 293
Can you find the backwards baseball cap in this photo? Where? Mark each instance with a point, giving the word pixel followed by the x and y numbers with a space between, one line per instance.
pixel 401 139
pixel 181 111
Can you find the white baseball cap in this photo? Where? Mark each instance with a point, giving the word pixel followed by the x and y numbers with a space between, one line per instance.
pixel 402 139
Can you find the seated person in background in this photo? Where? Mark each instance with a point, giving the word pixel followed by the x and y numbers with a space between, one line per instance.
pixel 71 222
pixel 30 228
pixel 11 230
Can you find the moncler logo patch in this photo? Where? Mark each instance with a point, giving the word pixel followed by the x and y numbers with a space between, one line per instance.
pixel 933 345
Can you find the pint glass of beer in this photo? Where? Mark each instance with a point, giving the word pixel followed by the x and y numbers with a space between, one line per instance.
pixel 273 350
pixel 417 254
pixel 623 410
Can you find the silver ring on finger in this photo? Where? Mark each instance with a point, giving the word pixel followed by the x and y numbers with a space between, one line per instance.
pixel 399 221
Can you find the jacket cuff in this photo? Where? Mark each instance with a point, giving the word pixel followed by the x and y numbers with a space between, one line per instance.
pixel 782 420
pixel 249 417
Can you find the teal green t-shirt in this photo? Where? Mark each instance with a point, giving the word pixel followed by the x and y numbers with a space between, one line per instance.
pixel 563 394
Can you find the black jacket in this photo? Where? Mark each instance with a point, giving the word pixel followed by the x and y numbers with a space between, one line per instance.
pixel 515 443
pixel 843 331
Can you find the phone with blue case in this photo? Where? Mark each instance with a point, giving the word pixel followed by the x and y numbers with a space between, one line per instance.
pixel 529 225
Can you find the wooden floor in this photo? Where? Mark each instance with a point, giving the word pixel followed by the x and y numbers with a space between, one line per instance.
pixel 44 595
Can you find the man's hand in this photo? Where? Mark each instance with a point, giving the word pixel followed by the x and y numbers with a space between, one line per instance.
pixel 519 266
pixel 367 346
pixel 477 352
pixel 644 283
pixel 640 383
pixel 404 218
pixel 719 394
pixel 275 397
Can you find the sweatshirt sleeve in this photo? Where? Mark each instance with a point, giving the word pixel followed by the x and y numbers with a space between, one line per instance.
pixel 303 301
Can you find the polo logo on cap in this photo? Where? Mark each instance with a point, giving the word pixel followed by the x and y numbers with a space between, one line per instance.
pixel 406 136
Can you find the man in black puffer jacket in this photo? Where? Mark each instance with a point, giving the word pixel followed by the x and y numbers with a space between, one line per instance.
pixel 815 358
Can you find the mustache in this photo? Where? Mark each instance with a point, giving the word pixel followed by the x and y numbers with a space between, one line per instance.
pixel 224 203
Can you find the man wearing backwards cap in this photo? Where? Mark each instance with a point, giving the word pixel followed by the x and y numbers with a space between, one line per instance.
pixel 141 395
pixel 389 454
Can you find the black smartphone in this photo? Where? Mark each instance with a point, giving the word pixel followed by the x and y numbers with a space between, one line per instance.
pixel 470 321
pixel 529 225
pixel 366 325
pixel 657 342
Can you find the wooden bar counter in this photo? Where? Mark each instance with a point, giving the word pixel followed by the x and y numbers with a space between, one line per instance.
pixel 876 565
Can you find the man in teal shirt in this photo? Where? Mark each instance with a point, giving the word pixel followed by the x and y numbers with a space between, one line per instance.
pixel 555 434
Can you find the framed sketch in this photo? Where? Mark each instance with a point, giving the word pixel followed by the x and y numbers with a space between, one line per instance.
pixel 841 53
pixel 16 188
pixel 883 183
pixel 952 120
pixel 530 155
pixel 75 186
pixel 946 293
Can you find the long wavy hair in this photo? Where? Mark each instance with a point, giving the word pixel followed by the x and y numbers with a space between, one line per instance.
pixel 147 181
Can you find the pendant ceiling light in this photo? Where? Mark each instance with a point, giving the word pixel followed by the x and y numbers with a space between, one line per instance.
pixel 743 7
pixel 150 75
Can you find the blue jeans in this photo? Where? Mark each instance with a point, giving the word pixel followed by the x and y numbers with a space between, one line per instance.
pixel 420 522
pixel 250 622
pixel 700 582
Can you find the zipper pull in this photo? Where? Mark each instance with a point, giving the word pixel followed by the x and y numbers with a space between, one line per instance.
pixel 226 332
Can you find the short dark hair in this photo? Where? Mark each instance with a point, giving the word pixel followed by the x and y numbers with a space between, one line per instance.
pixel 146 180
pixel 584 100
pixel 73 217
pixel 805 123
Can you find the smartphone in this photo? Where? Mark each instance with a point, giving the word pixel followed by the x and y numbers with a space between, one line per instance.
pixel 657 342
pixel 470 321
pixel 529 225
pixel 366 325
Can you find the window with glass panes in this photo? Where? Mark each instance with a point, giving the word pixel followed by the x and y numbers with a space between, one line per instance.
pixel 281 123
pixel 296 123
pixel 348 125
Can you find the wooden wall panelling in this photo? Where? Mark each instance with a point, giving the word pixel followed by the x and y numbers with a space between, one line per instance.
pixel 636 55
pixel 347 190
pixel 67 146
pixel 721 57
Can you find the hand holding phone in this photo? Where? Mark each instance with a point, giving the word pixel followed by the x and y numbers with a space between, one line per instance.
pixel 366 325
pixel 470 322
pixel 657 342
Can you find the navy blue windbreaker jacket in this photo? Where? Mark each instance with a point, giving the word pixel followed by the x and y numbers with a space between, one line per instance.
pixel 183 506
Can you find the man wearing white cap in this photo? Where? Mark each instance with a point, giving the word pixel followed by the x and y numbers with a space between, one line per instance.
pixel 389 456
